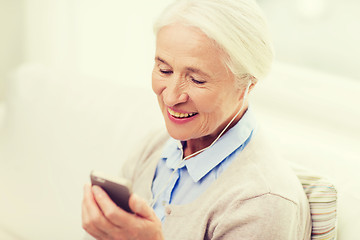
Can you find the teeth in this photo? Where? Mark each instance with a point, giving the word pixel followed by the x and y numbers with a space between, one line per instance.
pixel 180 115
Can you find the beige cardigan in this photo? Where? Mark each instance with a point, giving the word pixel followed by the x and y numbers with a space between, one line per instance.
pixel 257 197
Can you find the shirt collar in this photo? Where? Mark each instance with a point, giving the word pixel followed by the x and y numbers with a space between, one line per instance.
pixel 204 162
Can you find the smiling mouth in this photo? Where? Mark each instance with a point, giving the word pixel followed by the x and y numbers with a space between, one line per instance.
pixel 180 115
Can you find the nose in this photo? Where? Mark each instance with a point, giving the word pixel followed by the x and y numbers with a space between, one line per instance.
pixel 175 92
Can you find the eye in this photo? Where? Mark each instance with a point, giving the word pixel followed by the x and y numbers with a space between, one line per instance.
pixel 164 71
pixel 197 81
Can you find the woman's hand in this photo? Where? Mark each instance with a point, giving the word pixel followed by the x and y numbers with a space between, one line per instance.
pixel 104 220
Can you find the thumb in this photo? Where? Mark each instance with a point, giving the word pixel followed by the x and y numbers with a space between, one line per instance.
pixel 140 207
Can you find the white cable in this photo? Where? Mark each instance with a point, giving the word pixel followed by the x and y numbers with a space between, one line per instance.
pixel 154 200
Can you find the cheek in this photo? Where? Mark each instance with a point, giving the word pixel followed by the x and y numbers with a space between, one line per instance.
pixel 205 103
pixel 212 106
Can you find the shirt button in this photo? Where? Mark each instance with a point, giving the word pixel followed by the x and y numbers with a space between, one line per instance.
pixel 164 203
pixel 168 210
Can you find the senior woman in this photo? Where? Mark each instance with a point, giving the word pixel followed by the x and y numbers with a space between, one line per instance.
pixel 212 174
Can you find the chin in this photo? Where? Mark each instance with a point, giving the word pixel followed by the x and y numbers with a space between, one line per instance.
pixel 177 133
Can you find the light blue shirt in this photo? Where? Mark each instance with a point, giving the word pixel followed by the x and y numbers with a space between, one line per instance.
pixel 196 174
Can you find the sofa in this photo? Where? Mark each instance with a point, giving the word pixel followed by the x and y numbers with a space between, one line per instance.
pixel 56 126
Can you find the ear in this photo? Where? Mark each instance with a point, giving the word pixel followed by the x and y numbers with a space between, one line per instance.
pixel 247 79
pixel 253 83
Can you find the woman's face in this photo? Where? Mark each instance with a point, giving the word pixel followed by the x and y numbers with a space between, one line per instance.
pixel 195 90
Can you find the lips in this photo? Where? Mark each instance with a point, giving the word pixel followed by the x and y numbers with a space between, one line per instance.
pixel 180 115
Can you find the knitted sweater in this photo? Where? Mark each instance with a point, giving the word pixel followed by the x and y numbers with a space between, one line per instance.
pixel 256 197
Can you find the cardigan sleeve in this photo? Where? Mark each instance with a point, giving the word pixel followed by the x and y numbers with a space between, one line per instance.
pixel 263 217
pixel 131 164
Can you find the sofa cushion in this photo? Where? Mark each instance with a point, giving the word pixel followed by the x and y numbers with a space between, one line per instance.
pixel 322 197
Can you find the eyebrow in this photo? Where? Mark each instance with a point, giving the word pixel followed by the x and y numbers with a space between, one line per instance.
pixel 161 60
pixel 190 69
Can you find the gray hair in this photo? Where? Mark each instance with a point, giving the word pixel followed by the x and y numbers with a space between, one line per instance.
pixel 237 26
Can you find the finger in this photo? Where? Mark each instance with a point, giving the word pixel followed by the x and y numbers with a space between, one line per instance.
pixel 141 208
pixel 111 211
pixel 93 220
pixel 91 228
pixel 91 214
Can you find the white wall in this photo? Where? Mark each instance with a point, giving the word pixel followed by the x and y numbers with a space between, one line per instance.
pixel 11 38
pixel 318 34
pixel 109 39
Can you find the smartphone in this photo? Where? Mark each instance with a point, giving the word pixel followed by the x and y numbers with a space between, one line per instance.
pixel 118 189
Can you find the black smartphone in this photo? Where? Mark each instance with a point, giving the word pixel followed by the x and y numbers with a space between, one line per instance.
pixel 118 189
